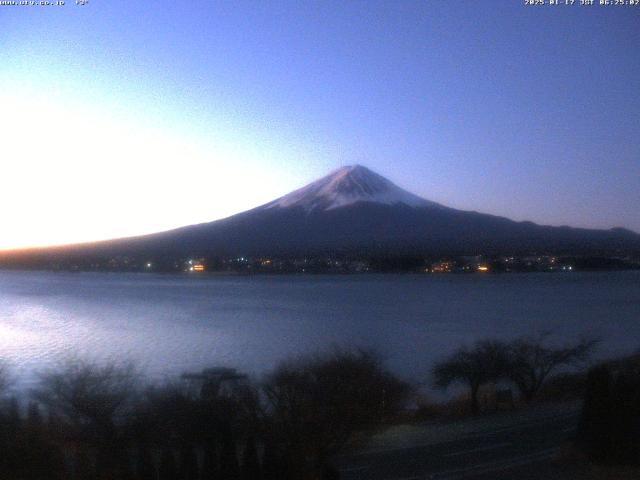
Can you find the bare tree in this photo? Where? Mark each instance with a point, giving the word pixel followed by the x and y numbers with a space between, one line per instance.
pixel 197 412
pixel 86 393
pixel 485 362
pixel 91 402
pixel 317 405
pixel 531 361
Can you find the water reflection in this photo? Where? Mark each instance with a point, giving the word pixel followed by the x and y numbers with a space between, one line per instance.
pixel 176 323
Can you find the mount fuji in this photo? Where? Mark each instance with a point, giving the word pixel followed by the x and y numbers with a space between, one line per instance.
pixel 354 211
pixel 348 186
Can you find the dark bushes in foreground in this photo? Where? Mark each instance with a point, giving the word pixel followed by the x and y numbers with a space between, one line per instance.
pixel 88 421
pixel 316 407
pixel 609 430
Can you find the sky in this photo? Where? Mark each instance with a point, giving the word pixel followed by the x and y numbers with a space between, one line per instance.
pixel 122 118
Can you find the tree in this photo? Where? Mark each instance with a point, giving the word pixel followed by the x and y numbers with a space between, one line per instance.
pixel 210 470
pixel 485 362
pixel 531 362
pixel 188 469
pixel 609 429
pixel 318 404
pixel 88 394
pixel 5 378
pixel 168 469
pixel 250 462
pixel 273 463
pixel 229 468
pixel 145 468
pixel 92 401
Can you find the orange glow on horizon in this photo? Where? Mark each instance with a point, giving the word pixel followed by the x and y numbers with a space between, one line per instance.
pixel 101 172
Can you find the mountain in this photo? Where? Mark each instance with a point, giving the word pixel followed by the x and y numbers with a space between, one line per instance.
pixel 354 211
pixel 348 186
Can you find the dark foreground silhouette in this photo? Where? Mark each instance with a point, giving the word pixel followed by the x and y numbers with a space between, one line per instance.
pixel 105 421
pixel 90 421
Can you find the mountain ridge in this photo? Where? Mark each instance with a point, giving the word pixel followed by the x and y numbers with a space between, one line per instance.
pixel 353 211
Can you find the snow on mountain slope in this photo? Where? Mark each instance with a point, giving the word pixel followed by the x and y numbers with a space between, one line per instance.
pixel 346 186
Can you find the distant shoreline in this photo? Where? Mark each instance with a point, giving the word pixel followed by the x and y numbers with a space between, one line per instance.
pixel 318 274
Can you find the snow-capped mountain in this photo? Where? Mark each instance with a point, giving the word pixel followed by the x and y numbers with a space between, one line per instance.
pixel 347 186
pixel 352 211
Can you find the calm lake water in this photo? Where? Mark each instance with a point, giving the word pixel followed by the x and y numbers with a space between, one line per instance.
pixel 172 323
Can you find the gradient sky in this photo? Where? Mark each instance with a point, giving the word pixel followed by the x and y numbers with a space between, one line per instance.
pixel 125 117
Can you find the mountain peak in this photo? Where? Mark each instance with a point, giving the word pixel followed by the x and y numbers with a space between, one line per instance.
pixel 346 186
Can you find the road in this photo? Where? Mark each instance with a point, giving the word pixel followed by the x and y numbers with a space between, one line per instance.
pixel 490 453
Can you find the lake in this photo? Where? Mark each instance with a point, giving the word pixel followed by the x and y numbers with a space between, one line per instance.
pixel 173 323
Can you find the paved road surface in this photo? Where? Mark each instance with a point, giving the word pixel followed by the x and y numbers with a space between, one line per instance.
pixel 491 453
